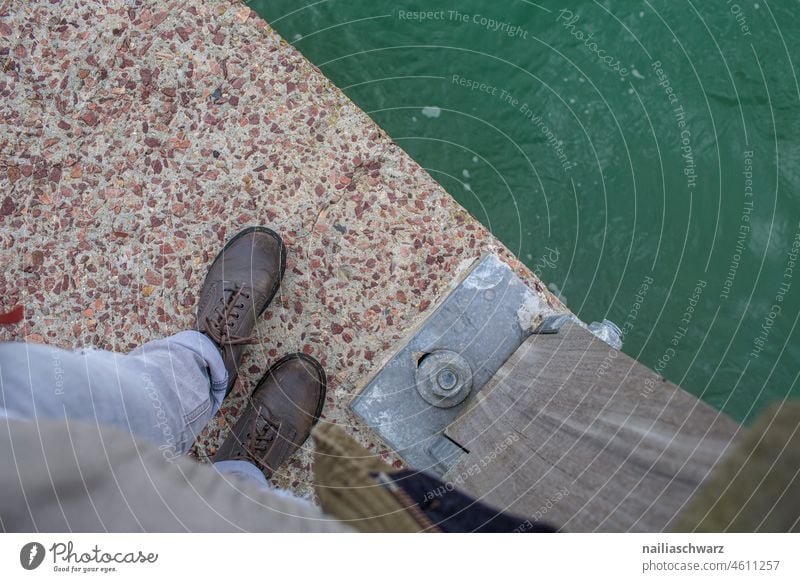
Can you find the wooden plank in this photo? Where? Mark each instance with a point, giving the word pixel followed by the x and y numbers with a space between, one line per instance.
pixel 575 433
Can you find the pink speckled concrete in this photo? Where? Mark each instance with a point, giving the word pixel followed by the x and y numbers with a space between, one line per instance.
pixel 138 135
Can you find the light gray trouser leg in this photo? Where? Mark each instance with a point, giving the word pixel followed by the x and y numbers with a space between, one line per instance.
pixel 165 391
pixel 245 471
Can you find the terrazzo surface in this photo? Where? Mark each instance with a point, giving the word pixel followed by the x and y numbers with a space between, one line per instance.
pixel 137 136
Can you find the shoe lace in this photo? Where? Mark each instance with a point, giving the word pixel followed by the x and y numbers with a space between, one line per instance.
pixel 264 433
pixel 219 327
pixel 263 436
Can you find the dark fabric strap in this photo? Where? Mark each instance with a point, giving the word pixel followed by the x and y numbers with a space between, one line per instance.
pixel 451 511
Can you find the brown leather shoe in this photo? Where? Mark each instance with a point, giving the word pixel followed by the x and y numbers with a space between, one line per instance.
pixel 279 416
pixel 239 286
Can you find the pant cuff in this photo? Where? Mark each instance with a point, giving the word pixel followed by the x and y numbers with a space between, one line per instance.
pixel 245 471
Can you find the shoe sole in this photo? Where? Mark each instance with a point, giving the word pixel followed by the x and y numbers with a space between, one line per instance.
pixel 323 379
pixel 275 286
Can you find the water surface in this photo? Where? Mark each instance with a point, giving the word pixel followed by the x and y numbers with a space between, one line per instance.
pixel 641 157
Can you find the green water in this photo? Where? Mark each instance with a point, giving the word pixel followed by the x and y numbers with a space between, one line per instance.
pixel 604 171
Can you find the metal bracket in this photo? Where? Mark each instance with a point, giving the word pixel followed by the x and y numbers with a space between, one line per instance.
pixel 432 378
pixel 554 323
pixel 605 330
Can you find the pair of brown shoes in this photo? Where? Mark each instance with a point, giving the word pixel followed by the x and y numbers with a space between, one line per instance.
pixel 288 399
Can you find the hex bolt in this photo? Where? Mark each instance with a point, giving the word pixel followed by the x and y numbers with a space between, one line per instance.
pixel 443 378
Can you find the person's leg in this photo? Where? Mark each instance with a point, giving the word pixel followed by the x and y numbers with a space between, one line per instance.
pixel 244 470
pixel 276 421
pixel 165 390
pixel 249 473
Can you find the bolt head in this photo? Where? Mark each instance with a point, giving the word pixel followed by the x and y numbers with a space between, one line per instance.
pixel 443 378
pixel 447 379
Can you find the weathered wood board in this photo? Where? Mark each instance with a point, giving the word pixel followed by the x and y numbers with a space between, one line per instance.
pixel 575 433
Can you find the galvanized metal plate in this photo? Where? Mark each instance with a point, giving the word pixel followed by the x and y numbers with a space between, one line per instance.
pixel 483 320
